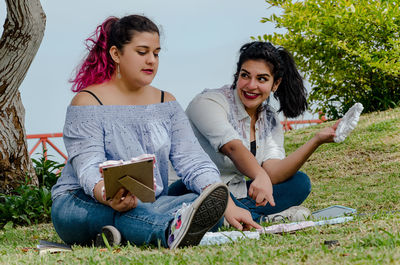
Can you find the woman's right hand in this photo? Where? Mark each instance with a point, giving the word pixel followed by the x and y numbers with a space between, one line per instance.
pixel 261 190
pixel 239 218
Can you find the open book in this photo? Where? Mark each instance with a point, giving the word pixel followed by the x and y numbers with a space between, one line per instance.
pixel 135 175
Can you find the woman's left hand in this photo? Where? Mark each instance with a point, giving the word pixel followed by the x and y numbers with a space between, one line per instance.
pixel 327 134
pixel 123 201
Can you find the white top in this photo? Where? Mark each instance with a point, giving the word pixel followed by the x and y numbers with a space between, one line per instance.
pixel 218 117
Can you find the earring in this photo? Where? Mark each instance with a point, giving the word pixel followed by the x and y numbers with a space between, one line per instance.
pixel 118 72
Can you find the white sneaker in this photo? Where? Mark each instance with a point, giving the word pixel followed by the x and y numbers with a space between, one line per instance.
pixel 193 220
pixel 348 122
pixel 293 214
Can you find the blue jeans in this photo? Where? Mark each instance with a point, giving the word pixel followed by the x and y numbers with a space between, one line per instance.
pixel 78 218
pixel 290 193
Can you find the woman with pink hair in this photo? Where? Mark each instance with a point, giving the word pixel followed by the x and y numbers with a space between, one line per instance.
pixel 116 115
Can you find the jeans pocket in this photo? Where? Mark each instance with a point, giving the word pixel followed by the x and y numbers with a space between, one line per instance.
pixel 80 195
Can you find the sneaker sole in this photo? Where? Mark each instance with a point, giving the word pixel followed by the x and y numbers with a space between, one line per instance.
pixel 112 235
pixel 208 209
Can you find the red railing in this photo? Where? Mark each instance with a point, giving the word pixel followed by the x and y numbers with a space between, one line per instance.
pixel 287 125
pixel 44 138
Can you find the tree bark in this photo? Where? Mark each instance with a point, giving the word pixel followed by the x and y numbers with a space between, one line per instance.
pixel 22 35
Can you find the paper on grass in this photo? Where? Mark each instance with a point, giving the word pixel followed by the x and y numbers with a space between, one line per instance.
pixel 348 122
pixel 218 238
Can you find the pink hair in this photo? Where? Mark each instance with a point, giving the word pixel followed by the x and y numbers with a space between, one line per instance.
pixel 98 66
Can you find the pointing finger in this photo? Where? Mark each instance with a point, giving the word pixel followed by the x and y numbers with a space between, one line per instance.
pixel 236 224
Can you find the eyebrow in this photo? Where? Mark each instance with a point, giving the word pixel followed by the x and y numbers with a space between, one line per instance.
pixel 247 72
pixel 147 47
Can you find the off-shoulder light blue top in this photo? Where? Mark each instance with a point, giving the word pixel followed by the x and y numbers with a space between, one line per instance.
pixel 94 134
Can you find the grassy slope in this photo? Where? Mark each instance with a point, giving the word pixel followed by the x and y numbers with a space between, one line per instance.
pixel 362 173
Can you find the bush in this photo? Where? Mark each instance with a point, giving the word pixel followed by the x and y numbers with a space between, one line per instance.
pixel 47 171
pixel 28 203
pixel 349 50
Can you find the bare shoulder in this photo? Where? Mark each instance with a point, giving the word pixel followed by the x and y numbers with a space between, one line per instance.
pixel 83 99
pixel 168 97
pixel 86 98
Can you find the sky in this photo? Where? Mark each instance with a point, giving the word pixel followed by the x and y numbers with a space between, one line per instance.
pixel 200 40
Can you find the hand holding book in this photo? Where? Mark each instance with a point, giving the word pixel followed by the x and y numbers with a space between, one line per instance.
pixel 135 175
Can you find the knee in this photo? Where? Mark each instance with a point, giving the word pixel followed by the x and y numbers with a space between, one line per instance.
pixel 60 222
pixel 74 221
pixel 302 184
pixel 177 188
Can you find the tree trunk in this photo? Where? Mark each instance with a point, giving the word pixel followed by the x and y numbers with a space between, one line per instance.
pixel 22 35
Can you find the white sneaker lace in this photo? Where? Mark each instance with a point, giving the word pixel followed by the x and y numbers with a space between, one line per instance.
pixel 178 213
pixel 172 229
pixel 287 215
pixel 182 209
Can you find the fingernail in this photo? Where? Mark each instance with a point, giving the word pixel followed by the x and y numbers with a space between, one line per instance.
pixel 122 198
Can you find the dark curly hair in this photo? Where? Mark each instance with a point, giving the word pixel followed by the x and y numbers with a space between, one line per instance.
pixel 291 93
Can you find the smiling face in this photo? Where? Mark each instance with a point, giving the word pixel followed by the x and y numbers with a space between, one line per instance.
pixel 254 85
pixel 138 60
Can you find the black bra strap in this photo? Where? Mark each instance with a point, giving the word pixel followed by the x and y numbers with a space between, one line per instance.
pixel 162 96
pixel 98 100
pixel 91 93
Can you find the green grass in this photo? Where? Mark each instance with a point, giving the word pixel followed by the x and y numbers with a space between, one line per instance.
pixel 363 172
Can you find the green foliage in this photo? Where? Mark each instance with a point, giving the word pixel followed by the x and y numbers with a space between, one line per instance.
pixel 47 171
pixel 349 50
pixel 28 203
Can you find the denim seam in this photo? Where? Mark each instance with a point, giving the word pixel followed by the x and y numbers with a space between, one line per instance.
pixel 143 220
pixel 83 201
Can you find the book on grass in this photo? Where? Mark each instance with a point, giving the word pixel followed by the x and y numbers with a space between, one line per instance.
pixel 135 175
pixel 52 247
pixel 333 212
